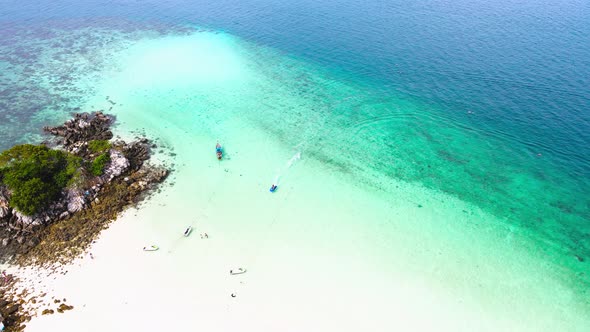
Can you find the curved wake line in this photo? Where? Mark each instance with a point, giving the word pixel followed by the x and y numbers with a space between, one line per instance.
pixel 288 165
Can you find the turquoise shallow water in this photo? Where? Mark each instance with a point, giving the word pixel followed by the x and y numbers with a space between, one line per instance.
pixel 484 102
pixel 264 107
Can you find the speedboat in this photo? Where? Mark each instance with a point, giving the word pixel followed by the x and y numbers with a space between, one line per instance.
pixel 151 248
pixel 273 188
pixel 188 231
pixel 237 271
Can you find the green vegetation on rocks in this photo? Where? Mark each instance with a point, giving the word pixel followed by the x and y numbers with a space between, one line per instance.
pixel 99 163
pixel 99 146
pixel 36 175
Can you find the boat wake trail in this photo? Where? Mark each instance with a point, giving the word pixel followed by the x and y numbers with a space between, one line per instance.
pixel 289 164
pixel 294 159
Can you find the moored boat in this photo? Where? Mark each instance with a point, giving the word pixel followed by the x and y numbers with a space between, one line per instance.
pixel 188 231
pixel 218 151
pixel 151 248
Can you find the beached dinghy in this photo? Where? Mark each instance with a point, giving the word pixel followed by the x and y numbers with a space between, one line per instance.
pixel 188 231
pixel 237 271
pixel 151 248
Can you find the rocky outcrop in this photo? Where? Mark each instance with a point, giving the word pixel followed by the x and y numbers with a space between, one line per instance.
pixel 22 222
pixel 82 128
pixel 24 219
pixel 85 208
pixel 147 178
pixel 4 207
pixel 136 152
pixel 117 166
pixel 75 201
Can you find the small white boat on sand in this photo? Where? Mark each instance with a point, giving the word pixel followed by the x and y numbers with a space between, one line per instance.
pixel 188 231
pixel 237 271
pixel 151 248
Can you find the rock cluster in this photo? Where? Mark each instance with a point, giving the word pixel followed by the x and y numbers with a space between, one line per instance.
pixel 125 172
pixel 19 232
pixel 18 304
pixel 83 128
pixel 12 314
pixel 4 207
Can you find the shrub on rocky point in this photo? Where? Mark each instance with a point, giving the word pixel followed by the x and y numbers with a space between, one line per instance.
pixel 36 175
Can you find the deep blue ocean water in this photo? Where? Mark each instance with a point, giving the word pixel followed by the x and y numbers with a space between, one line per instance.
pixel 513 74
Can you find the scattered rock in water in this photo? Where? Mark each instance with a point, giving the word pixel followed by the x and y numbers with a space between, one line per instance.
pixel 47 312
pixel 10 310
pixel 12 314
pixel 64 307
